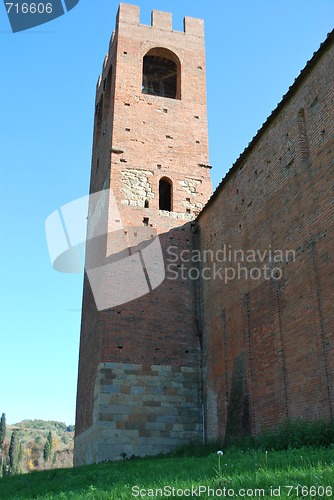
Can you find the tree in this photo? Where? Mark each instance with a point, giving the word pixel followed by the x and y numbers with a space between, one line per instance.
pixel 55 442
pixel 38 439
pixel 35 454
pixel 2 429
pixel 48 447
pixel 28 456
pixel 20 453
pixel 65 439
pixel 14 454
pixel 3 467
pixel 46 451
pixel 2 438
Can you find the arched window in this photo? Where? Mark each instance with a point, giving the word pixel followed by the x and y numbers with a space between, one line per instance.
pixel 98 119
pixel 161 74
pixel 107 100
pixel 165 194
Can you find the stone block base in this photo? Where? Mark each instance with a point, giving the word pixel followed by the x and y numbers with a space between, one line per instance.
pixel 140 410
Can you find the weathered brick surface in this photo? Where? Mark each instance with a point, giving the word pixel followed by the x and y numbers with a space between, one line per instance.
pixel 263 347
pixel 268 344
pixel 138 139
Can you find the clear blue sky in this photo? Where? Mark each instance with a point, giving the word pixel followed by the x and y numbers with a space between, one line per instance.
pixel 255 49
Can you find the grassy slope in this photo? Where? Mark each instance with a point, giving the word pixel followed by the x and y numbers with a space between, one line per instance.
pixel 251 469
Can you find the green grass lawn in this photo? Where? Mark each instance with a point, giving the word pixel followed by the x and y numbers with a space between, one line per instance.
pixel 241 470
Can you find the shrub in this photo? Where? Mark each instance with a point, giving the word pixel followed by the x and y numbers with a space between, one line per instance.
pixel 298 433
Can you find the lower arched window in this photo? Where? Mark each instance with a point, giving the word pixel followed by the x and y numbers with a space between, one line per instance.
pixel 165 194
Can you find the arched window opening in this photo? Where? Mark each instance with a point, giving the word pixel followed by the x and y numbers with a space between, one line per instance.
pixel 98 119
pixel 165 194
pixel 107 99
pixel 146 204
pixel 161 74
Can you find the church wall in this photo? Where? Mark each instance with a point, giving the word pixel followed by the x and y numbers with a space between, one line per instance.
pixel 269 343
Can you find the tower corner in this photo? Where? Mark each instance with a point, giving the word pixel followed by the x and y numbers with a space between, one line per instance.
pixel 127 13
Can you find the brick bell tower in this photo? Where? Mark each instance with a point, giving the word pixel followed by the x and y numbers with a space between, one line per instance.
pixel 139 383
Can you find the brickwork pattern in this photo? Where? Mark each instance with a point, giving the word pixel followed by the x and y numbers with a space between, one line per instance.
pixel 279 195
pixel 258 351
pixel 139 139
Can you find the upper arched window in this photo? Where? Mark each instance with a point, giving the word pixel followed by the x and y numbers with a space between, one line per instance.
pixel 165 194
pixel 161 74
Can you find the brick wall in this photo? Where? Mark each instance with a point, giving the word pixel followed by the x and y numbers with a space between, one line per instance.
pixel 257 324
pixel 139 139
pixel 268 343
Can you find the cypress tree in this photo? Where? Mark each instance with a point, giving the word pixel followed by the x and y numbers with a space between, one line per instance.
pixel 20 454
pixel 2 429
pixel 14 453
pixel 49 438
pixel 46 451
pixel 47 447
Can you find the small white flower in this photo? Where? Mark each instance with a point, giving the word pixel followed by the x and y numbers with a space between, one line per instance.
pixel 220 452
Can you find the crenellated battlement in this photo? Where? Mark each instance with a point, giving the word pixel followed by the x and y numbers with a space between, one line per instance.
pixel 130 14
pixel 127 13
pixel 162 20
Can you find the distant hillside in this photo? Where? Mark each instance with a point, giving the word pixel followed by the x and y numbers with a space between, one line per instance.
pixel 32 435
